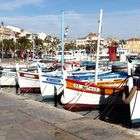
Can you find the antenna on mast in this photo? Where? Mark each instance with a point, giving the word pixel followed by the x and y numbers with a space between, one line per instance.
pixel 66 32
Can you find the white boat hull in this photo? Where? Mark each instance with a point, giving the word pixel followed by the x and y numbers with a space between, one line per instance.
pixel 80 95
pixel 135 108
pixel 28 82
pixel 50 86
pixel 8 79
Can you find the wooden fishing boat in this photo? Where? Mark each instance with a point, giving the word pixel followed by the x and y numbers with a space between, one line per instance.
pixel 81 95
pixel 134 103
pixel 8 76
pixel 84 95
pixel 51 83
pixel 28 82
pixel 28 79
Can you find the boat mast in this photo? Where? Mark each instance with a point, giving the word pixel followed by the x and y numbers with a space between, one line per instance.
pixel 98 45
pixel 62 39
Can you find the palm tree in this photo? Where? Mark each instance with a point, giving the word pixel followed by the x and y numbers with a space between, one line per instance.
pixel 24 44
pixel 55 43
pixel 48 40
pixel 91 47
pixel 38 46
pixel 9 47
pixel 52 43
pixel 69 46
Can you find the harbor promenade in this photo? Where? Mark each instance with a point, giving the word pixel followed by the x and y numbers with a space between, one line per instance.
pixel 22 118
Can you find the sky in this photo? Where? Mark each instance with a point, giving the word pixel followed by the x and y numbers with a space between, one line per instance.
pixel 121 18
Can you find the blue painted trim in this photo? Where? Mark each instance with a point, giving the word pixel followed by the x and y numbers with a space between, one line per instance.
pixel 53 83
pixel 48 97
pixel 136 120
pixel 52 76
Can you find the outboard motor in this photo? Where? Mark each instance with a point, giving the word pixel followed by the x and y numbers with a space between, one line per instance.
pixel 137 70
pixel 136 75
pixel 1 68
pixel 0 73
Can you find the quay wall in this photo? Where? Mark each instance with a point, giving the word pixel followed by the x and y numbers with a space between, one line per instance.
pixel 23 118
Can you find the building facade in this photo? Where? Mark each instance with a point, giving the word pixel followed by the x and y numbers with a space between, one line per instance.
pixel 85 40
pixel 6 33
pixel 133 45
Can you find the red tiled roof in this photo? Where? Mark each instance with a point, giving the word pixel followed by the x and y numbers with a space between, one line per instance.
pixel 81 38
pixel 89 35
pixel 134 39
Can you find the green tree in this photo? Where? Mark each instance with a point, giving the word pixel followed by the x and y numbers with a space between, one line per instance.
pixel 48 40
pixel 24 43
pixel 38 46
pixel 52 43
pixel 91 46
pixel 69 46
pixel 55 43
pixel 9 47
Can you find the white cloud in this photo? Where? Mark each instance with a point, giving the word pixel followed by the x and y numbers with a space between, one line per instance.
pixel 121 25
pixel 14 4
pixel 44 23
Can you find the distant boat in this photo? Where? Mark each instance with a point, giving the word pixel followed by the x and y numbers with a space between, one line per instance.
pixel 119 67
pixel 71 55
pixel 8 77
